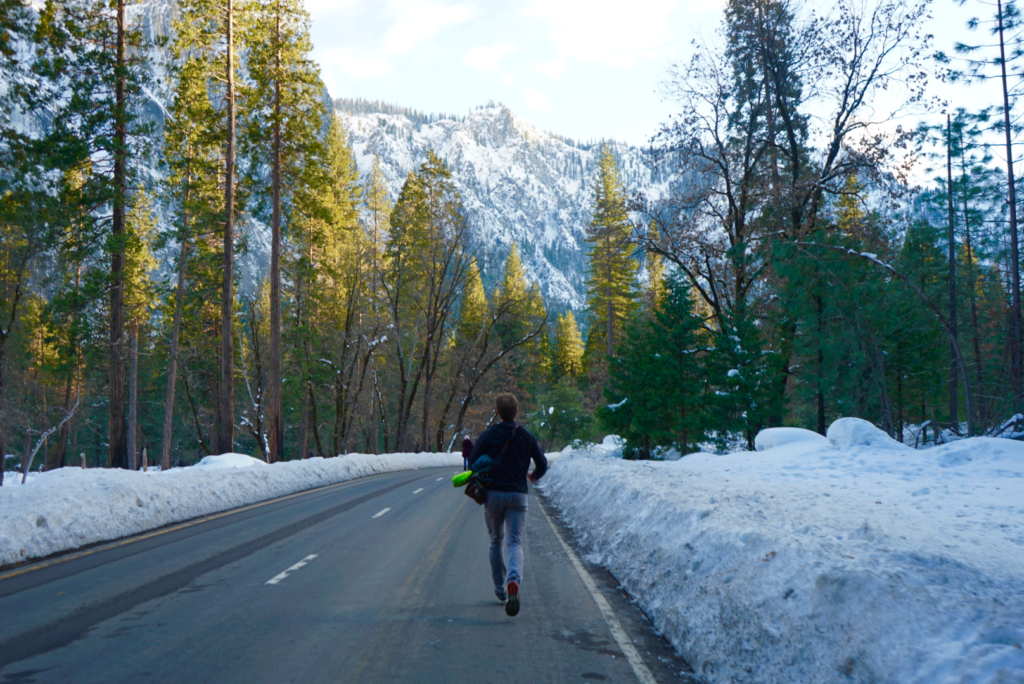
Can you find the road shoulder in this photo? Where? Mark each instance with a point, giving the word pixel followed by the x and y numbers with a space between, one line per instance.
pixel 657 654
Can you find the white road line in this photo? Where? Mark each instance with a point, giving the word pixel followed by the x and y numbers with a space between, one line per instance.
pixel 382 513
pixel 418 490
pixel 277 578
pixel 628 649
pixel 438 479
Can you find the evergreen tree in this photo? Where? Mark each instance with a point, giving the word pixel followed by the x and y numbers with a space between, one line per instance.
pixel 611 280
pixel 474 308
pixel 139 302
pixel 657 383
pixel 97 127
pixel 561 418
pixel 192 151
pixel 328 263
pixel 568 348
pixel 426 265
pixel 283 101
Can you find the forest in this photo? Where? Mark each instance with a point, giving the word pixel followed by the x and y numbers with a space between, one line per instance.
pixel 816 256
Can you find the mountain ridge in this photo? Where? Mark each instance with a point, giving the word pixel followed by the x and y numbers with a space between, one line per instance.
pixel 518 184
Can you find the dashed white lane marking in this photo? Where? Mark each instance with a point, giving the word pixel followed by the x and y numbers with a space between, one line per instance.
pixel 628 649
pixel 381 513
pixel 277 578
pixel 438 479
pixel 418 490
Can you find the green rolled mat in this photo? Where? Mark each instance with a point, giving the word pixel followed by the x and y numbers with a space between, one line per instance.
pixel 462 478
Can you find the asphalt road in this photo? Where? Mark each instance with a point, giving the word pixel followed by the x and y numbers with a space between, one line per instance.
pixel 383 579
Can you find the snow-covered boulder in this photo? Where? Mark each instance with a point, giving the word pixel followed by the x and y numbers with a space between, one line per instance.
pixel 771 438
pixel 228 461
pixel 612 442
pixel 847 433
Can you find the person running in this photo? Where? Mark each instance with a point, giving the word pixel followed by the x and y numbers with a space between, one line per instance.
pixel 467 449
pixel 511 447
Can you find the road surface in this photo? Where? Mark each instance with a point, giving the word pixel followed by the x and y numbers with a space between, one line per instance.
pixel 383 579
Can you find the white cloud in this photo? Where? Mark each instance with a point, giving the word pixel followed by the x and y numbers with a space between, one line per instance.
pixel 486 57
pixel 321 7
pixel 553 69
pixel 609 32
pixel 535 100
pixel 417 21
pixel 705 6
pixel 352 64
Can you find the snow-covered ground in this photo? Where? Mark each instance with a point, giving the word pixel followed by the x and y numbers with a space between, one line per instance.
pixel 847 559
pixel 71 507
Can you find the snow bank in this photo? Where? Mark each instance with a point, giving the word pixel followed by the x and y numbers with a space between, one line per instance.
pixel 849 560
pixel 70 507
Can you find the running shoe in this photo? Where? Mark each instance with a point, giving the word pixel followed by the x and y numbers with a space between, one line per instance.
pixel 512 607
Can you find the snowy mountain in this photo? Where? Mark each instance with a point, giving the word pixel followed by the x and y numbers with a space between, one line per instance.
pixel 519 185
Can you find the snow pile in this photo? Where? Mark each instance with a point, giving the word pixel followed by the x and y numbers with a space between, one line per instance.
pixel 852 559
pixel 70 507
pixel 228 461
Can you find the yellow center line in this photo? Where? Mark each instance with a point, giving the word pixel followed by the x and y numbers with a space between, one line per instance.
pixel 174 528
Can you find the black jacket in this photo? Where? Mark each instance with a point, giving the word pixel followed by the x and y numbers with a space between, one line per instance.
pixel 509 472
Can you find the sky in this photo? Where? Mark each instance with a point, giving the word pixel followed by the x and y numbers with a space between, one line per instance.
pixel 585 69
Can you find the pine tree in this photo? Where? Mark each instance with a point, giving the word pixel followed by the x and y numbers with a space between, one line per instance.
pixel 284 101
pixel 473 310
pixel 328 263
pixel 23 194
pixel 512 303
pixel 427 261
pixel 657 383
pixel 741 375
pixel 97 126
pixel 207 36
pixel 193 143
pixel 377 205
pixel 568 348
pixel 139 300
pixel 611 280
pixel 562 417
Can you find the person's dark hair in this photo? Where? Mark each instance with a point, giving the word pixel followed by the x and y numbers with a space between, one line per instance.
pixel 507 406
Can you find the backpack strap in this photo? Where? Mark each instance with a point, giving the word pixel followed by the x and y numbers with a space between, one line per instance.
pixel 501 455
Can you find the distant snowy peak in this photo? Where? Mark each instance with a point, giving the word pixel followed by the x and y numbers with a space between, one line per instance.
pixel 519 185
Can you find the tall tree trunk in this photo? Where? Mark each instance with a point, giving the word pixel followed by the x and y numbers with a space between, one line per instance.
pixel 972 284
pixel 315 422
pixel 133 399
pixel 953 368
pixel 820 394
pixel 172 364
pixel 304 427
pixel 683 441
pixel 26 452
pixel 118 452
pixel 373 446
pixel 225 414
pixel 1015 323
pixel 3 405
pixel 899 399
pixel 59 457
pixel 611 324
pixel 274 413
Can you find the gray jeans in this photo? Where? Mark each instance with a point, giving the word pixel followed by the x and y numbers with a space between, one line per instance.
pixel 506 510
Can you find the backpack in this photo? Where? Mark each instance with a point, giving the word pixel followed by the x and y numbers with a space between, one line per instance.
pixel 476 488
